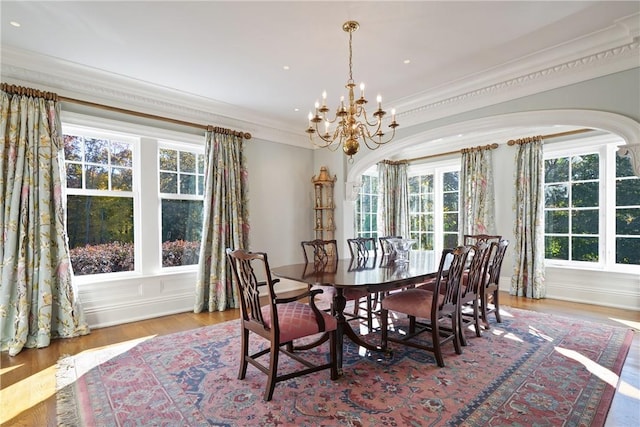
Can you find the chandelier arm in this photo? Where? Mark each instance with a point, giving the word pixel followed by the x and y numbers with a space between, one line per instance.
pixel 377 123
pixel 329 144
pixel 378 144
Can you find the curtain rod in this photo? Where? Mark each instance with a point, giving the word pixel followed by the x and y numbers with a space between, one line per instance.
pixel 549 136
pixel 510 142
pixel 21 90
pixel 478 148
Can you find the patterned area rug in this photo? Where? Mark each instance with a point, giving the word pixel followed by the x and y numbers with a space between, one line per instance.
pixel 532 369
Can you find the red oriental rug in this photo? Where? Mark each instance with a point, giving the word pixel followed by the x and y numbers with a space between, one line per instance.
pixel 532 369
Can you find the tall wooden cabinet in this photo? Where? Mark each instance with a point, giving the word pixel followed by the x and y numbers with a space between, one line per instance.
pixel 324 225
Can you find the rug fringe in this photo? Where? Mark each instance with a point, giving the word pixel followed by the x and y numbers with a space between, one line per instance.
pixel 67 414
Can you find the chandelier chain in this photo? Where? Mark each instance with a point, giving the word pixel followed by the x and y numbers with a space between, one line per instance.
pixel 350 56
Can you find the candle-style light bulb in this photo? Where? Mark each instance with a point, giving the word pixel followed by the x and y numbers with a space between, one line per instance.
pixel 379 99
pixel 361 90
pixel 324 98
pixel 310 117
pixel 393 114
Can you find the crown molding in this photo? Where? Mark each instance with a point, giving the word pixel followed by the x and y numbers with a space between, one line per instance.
pixel 86 83
pixel 611 50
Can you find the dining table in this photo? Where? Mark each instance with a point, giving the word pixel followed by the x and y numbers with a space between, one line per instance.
pixel 373 274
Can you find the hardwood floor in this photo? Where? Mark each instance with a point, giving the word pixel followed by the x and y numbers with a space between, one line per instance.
pixel 27 381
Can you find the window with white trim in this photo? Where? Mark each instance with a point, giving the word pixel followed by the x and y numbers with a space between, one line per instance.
pixel 592 205
pixel 181 179
pixel 434 200
pixel 366 211
pixel 134 198
pixel 434 194
pixel 100 199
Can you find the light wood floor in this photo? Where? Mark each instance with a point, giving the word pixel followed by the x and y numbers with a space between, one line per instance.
pixel 27 382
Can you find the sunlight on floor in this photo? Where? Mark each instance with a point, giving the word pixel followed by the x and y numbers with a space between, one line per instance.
pixel 629 323
pixel 44 384
pixel 538 333
pixel 9 369
pixel 601 372
pixel 501 333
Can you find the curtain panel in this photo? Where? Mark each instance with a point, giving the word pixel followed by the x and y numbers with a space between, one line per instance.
pixel 37 299
pixel 393 199
pixel 528 277
pixel 477 210
pixel 225 220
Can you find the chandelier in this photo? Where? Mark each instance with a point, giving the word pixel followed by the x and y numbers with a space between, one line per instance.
pixel 352 122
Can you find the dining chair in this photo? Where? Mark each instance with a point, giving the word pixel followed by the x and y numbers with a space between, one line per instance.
pixel 474 239
pixel 386 247
pixel 474 281
pixel 324 254
pixel 361 249
pixel 280 321
pixel 431 307
pixel 491 289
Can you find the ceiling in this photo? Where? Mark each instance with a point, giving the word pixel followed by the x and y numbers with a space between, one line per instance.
pixel 231 55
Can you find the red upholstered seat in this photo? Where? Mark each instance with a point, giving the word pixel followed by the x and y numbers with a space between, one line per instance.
pixel 415 301
pixel 297 320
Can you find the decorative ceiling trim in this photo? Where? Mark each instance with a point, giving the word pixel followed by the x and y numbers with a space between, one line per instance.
pixel 86 83
pixel 595 65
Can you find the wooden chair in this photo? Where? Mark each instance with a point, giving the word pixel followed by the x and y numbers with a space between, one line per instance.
pixel 386 247
pixel 474 281
pixel 490 293
pixel 362 248
pixel 474 239
pixel 324 254
pixel 433 307
pixel 280 322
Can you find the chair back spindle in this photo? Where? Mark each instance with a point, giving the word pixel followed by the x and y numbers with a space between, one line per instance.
pixel 361 247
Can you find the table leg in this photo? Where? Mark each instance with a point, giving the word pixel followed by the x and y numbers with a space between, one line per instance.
pixel 339 304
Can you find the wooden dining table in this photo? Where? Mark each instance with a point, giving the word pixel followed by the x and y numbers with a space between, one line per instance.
pixel 375 274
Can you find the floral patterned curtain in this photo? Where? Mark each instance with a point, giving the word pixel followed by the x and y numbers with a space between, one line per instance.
pixel 528 277
pixel 226 220
pixel 477 210
pixel 37 299
pixel 393 200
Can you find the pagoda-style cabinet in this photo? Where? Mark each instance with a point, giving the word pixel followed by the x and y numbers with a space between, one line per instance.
pixel 324 225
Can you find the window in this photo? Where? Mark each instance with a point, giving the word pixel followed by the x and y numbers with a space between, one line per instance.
pixel 366 212
pixel 592 206
pixel 627 187
pixel 181 178
pixel 433 205
pixel 134 198
pixel 434 196
pixel 100 201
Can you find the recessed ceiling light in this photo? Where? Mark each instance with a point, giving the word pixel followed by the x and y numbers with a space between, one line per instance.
pixel 407 61
pixel 14 23
pixel 286 67
pixel 296 109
